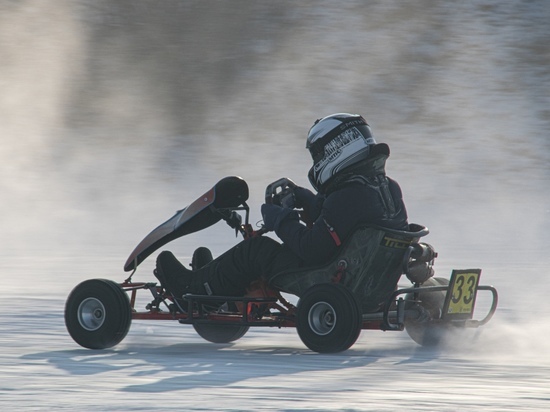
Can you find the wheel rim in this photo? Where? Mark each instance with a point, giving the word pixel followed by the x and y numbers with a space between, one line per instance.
pixel 322 318
pixel 91 314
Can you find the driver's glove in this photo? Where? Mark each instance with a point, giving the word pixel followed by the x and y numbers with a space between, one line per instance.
pixel 303 198
pixel 288 201
pixel 273 216
pixel 307 200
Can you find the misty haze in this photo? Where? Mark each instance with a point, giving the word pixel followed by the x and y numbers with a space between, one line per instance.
pixel 115 114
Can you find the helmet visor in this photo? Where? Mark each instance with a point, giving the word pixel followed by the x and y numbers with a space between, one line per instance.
pixel 337 139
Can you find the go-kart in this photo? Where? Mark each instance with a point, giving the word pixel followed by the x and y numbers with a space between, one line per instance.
pixel 358 289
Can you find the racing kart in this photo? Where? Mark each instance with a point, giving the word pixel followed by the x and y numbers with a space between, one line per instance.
pixel 358 289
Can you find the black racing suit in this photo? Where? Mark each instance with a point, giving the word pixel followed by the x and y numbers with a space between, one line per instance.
pixel 365 195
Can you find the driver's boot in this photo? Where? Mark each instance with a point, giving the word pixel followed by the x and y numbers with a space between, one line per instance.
pixel 173 276
pixel 201 257
pixel 229 274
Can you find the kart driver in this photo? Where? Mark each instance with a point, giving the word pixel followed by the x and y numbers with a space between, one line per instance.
pixel 349 176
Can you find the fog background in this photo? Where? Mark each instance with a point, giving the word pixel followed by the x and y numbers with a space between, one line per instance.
pixel 114 114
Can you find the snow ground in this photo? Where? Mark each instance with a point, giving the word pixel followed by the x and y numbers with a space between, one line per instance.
pixel 165 365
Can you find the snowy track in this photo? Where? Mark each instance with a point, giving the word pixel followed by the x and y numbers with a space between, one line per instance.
pixel 165 365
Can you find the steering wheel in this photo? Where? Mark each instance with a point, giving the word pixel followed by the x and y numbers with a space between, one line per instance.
pixel 281 193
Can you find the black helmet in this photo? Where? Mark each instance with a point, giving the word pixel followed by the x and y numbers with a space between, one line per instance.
pixel 335 143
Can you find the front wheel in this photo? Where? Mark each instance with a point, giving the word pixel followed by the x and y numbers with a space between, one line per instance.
pixel 424 331
pixel 98 314
pixel 328 318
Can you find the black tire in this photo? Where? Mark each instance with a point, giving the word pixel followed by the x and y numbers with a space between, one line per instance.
pixel 328 318
pixel 220 333
pixel 424 332
pixel 98 314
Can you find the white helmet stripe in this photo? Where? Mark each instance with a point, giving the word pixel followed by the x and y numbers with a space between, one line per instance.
pixel 336 142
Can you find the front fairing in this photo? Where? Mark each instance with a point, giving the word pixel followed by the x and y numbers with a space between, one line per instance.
pixel 230 192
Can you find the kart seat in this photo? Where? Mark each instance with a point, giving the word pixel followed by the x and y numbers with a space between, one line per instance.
pixel 369 263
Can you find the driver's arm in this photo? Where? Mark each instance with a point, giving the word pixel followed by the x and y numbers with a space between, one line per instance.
pixel 309 202
pixel 314 246
pixel 317 244
pixel 339 216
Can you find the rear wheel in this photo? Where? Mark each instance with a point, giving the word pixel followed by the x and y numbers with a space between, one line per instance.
pixel 328 318
pixel 423 331
pixel 98 314
pixel 220 333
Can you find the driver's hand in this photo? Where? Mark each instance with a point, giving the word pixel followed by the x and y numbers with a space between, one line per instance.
pixel 273 215
pixel 288 201
pixel 303 198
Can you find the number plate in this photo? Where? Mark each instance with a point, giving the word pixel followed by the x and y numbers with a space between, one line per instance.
pixel 461 295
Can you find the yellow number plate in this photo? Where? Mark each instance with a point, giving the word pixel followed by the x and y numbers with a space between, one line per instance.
pixel 461 296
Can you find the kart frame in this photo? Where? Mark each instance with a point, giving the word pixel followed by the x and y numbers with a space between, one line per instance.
pixel 392 318
pixel 331 309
